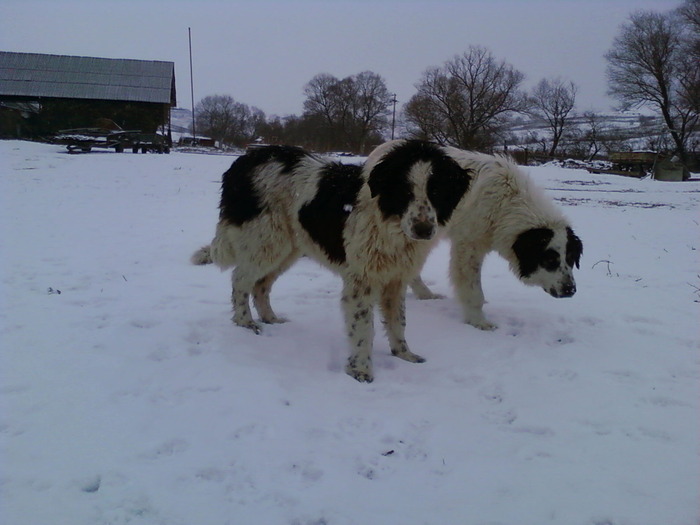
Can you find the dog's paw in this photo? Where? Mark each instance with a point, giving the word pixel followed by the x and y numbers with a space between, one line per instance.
pixel 250 325
pixel 360 370
pixel 485 325
pixel 407 355
pixel 475 317
pixel 274 320
pixel 482 324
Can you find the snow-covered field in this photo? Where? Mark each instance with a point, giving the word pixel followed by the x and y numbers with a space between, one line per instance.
pixel 128 397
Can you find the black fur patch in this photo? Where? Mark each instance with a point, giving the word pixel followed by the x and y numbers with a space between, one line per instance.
pixel 389 179
pixel 530 247
pixel 446 187
pixel 240 201
pixel 324 216
pixel 574 248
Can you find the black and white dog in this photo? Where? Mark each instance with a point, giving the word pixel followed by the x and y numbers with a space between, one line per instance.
pixel 374 226
pixel 503 211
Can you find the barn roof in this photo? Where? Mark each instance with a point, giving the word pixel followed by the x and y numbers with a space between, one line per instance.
pixel 59 76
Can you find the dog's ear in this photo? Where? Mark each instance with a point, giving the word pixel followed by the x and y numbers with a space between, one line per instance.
pixel 388 181
pixel 446 186
pixel 574 248
pixel 378 179
pixel 528 248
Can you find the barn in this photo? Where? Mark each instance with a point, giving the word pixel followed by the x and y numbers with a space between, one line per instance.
pixel 42 94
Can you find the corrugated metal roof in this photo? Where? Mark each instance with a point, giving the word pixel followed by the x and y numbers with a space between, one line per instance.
pixel 59 76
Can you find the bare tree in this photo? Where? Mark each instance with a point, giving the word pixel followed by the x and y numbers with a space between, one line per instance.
pixel 227 121
pixel 689 18
pixel 647 66
pixel 467 100
pixel 324 101
pixel 689 14
pixel 353 109
pixel 593 133
pixel 214 115
pixel 436 112
pixel 426 118
pixel 369 107
pixel 552 101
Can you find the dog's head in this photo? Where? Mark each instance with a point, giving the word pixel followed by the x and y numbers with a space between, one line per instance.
pixel 546 257
pixel 418 183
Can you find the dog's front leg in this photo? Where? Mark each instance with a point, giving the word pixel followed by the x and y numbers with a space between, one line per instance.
pixel 465 271
pixel 358 308
pixel 393 305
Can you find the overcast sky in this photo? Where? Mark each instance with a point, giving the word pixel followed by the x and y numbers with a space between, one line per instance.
pixel 263 52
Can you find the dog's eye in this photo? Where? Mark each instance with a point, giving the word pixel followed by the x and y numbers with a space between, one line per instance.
pixel 550 260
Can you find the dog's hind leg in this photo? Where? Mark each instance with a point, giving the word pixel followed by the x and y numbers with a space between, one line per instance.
pixel 262 288
pixel 261 299
pixel 242 284
pixel 393 306
pixel 358 308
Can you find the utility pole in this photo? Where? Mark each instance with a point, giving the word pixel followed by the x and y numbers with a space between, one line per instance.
pixel 393 116
pixel 194 131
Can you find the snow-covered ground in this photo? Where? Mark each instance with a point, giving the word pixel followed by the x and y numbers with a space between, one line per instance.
pixel 128 397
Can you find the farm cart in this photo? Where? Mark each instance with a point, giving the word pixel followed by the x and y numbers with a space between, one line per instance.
pixel 145 142
pixel 84 139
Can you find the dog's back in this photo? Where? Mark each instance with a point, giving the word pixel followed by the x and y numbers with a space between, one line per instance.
pixel 256 200
pixel 247 183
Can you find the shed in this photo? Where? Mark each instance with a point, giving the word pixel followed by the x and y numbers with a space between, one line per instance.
pixel 75 91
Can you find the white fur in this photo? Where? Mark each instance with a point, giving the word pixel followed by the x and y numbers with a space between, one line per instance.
pixel 420 211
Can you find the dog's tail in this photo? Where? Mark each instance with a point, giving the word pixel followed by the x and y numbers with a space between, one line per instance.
pixel 202 256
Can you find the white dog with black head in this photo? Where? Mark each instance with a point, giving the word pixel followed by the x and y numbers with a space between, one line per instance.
pixel 502 211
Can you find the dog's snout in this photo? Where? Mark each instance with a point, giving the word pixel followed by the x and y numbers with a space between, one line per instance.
pixel 567 290
pixel 423 230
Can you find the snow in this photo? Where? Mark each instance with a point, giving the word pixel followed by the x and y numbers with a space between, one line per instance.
pixel 129 397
